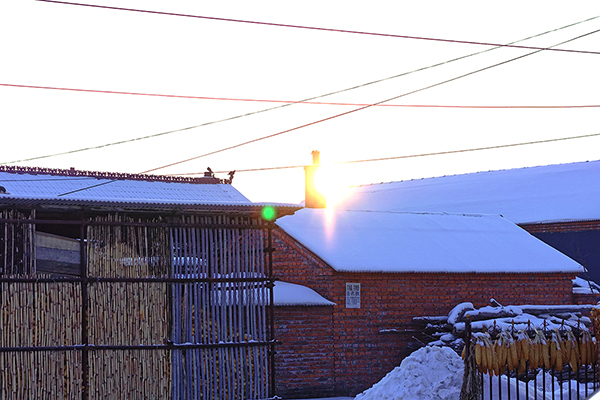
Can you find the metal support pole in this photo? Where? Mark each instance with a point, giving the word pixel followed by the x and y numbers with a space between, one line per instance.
pixel 85 392
pixel 271 311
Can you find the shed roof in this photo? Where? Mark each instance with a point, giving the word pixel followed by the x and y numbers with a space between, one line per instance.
pixel 553 193
pixel 376 241
pixel 34 186
pixel 291 294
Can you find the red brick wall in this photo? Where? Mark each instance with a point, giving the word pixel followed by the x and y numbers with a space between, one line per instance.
pixel 305 357
pixel 562 226
pixel 362 354
pixel 585 298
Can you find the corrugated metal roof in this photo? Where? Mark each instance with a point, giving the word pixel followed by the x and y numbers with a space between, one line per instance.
pixel 553 193
pixel 29 189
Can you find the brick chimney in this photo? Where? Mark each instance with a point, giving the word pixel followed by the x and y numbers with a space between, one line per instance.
pixel 312 197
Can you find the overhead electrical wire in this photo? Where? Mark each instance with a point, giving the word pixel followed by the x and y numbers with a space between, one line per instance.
pixel 362 108
pixel 335 116
pixel 312 27
pixel 495 147
pixel 439 153
pixel 297 102
pixel 96 147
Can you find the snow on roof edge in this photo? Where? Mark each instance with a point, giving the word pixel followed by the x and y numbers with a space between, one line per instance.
pixel 288 294
pixel 323 256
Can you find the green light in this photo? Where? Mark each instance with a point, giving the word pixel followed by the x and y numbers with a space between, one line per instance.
pixel 269 213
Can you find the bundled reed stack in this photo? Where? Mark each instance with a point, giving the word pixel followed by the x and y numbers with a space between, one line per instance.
pixel 34 315
pixel 40 314
pixel 128 313
pixel 198 285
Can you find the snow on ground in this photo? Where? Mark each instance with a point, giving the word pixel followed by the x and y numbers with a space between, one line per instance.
pixel 536 388
pixel 430 373
pixel 436 373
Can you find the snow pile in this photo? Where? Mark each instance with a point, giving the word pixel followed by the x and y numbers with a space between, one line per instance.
pixel 430 373
pixel 436 373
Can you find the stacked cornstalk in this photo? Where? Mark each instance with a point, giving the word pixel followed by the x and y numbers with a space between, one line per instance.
pixel 40 315
pixel 128 313
pixel 35 315
pixel 220 326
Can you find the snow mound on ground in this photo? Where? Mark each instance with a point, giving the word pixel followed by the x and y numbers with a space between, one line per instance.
pixel 430 373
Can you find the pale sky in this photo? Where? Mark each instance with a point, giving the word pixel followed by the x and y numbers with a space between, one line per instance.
pixel 68 46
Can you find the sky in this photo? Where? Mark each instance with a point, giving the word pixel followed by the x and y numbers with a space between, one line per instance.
pixel 76 47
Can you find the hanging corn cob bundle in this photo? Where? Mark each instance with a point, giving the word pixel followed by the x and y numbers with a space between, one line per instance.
pixel 501 350
pixel 523 344
pixel 556 353
pixel 571 351
pixel 485 356
pixel 540 351
pixel 587 349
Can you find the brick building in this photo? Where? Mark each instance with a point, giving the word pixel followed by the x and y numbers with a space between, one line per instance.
pixel 558 204
pixel 381 269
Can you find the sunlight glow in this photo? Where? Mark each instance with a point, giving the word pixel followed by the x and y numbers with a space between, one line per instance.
pixel 331 181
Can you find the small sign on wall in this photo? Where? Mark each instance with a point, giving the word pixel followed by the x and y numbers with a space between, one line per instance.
pixel 352 295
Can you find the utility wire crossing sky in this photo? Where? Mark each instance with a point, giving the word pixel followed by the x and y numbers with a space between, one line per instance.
pixel 163 63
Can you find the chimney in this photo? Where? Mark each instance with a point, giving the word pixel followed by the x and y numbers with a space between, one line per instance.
pixel 312 197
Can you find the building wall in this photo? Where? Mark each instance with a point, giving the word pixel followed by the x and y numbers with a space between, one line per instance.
pixel 370 341
pixel 305 357
pixel 572 226
pixel 579 240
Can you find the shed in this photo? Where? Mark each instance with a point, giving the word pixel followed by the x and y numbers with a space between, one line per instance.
pixel 382 268
pixel 133 286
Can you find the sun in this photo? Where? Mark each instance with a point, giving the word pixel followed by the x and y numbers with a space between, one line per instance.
pixel 332 183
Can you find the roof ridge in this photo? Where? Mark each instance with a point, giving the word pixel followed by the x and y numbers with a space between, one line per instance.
pixel 473 173
pixel 72 172
pixel 437 213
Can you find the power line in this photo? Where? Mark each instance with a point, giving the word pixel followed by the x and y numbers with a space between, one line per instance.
pixel 334 116
pixel 296 102
pixel 287 105
pixel 495 147
pixel 501 146
pixel 362 108
pixel 313 28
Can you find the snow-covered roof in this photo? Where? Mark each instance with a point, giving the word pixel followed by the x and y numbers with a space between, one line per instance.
pixel 375 241
pixel 290 294
pixel 32 186
pixel 564 192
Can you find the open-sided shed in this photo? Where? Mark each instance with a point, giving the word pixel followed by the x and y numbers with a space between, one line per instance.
pixel 133 286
